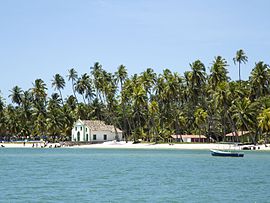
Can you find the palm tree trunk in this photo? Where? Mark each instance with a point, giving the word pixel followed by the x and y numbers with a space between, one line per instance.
pixel 239 73
pixel 61 97
pixel 73 89
pixel 124 115
pixel 83 99
pixel 233 127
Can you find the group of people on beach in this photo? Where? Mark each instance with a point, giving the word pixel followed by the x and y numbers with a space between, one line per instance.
pixel 46 144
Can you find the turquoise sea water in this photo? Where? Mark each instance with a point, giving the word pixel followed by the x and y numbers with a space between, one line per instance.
pixel 114 175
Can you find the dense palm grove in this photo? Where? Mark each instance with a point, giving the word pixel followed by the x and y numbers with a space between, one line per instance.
pixel 146 106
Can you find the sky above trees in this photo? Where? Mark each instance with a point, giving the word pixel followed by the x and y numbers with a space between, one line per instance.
pixel 41 38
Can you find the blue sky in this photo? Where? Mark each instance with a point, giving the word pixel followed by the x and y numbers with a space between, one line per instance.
pixel 41 38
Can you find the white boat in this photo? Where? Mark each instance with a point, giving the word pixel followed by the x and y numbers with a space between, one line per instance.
pixel 226 153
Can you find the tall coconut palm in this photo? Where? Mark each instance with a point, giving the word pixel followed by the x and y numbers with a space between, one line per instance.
pixel 223 99
pixel 112 106
pixel 3 127
pixel 154 119
pixel 58 83
pixel 27 112
pixel 39 107
pixel 260 80
pixel 264 122
pixel 197 81
pixel 148 79
pixel 13 121
pixel 244 114
pixel 16 95
pixel 80 88
pixel 2 104
pixel 121 76
pixel 198 75
pixel 200 120
pixel 73 76
pixel 71 102
pixel 39 90
pixel 82 85
pixel 239 58
pixel 139 103
pixel 97 73
pixel 90 92
pixel 55 120
pixel 218 72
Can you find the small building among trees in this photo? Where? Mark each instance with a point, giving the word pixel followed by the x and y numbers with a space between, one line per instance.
pixel 94 131
pixel 241 136
pixel 190 138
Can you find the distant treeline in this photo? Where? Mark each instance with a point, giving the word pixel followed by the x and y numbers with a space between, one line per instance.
pixel 146 106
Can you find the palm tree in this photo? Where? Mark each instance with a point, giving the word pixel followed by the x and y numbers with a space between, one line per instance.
pixel 240 58
pixel 97 110
pixel 27 112
pixel 2 104
pixel 218 72
pixel 121 76
pixel 39 90
pixel 97 73
pixel 197 77
pixel 244 114
pixel 73 76
pixel 89 92
pixel 58 83
pixel 13 121
pixel 148 79
pixel 197 80
pixel 82 85
pixel 55 120
pixel 200 119
pixel 71 102
pixel 264 121
pixel 139 103
pixel 223 99
pixel 260 80
pixel 16 95
pixel 154 119
pixel 39 107
pixel 3 127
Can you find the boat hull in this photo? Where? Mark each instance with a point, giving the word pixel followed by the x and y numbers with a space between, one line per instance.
pixel 226 154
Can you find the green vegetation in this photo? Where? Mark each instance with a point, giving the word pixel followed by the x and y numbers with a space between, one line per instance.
pixel 145 106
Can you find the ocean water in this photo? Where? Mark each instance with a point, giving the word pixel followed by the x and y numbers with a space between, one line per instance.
pixel 122 175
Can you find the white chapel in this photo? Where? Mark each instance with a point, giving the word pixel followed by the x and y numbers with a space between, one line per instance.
pixel 94 131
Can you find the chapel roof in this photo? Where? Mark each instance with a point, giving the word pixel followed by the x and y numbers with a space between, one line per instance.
pixel 98 125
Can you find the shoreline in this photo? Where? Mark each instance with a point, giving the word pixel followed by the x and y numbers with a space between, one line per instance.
pixel 129 145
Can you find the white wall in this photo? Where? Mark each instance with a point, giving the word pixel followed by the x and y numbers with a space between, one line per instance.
pixel 100 135
pixel 81 128
pixel 186 139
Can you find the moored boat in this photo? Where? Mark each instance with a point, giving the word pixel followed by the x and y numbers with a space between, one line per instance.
pixel 226 153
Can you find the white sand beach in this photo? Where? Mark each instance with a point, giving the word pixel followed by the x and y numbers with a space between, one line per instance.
pixel 197 146
pixel 129 145
pixel 27 145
